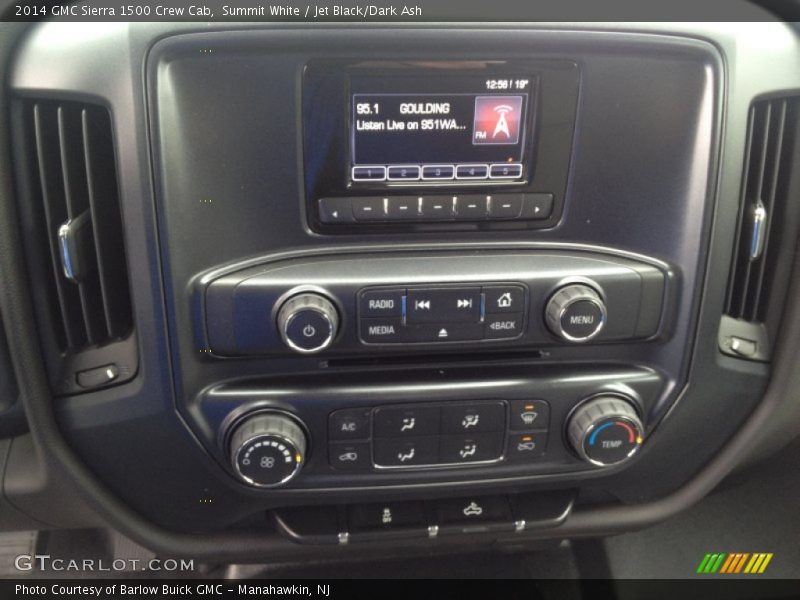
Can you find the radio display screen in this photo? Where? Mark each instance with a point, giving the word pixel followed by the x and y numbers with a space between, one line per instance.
pixel 439 128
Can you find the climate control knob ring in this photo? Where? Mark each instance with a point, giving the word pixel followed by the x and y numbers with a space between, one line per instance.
pixel 605 430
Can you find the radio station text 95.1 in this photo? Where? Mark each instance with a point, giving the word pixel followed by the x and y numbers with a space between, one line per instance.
pixel 122 10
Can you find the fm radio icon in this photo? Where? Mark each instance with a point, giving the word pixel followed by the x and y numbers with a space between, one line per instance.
pixel 497 120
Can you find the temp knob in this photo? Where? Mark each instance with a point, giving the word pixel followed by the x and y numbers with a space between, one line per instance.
pixel 605 430
pixel 308 323
pixel 576 313
pixel 268 449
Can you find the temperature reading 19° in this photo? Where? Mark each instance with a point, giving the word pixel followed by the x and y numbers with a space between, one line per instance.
pixel 518 84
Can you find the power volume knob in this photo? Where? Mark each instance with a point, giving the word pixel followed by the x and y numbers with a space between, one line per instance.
pixel 308 323
pixel 268 449
pixel 576 313
pixel 605 430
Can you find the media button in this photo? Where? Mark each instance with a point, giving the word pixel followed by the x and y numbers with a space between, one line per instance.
pixel 381 303
pixel 369 173
pixel 382 330
pixel 403 172
pixel 503 326
pixel 504 206
pixel 336 210
pixel 437 207
pixel 369 209
pixel 505 171
pixel 401 452
pixel 443 305
pixel 471 207
pixel 402 208
pixel 435 172
pixel 472 171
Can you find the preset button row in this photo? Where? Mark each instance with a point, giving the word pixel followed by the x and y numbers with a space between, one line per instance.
pixel 453 207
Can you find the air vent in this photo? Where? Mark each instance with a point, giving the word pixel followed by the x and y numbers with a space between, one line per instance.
pixel 767 229
pixel 69 201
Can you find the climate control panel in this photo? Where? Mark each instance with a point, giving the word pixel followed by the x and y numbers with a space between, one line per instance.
pixel 351 304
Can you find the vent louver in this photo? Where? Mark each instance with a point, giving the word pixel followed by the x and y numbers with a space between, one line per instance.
pixel 70 208
pixel 767 229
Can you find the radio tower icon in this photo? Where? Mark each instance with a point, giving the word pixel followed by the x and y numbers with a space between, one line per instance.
pixel 502 123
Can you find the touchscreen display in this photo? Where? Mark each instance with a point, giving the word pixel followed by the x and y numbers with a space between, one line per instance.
pixel 430 128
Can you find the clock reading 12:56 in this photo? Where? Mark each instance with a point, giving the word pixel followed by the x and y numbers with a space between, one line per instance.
pixel 508 84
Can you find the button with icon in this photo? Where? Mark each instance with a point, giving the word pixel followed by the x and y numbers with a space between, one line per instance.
pixel 529 415
pixel 504 299
pixel 406 421
pixel 349 424
pixel 474 514
pixel 350 456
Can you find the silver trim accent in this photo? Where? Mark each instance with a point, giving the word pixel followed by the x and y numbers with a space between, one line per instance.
pixel 299 447
pixel 433 531
pixel 344 538
pixel 759 235
pixel 519 526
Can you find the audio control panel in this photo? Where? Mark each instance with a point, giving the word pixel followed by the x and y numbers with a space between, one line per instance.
pixel 351 304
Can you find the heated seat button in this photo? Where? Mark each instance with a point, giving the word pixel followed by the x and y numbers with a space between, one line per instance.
pixel 381 331
pixel 504 206
pixel 402 452
pixel 504 299
pixel 505 326
pixel 403 421
pixel 473 417
pixel 349 424
pixel 350 456
pixel 523 447
pixel 444 305
pixel 386 516
pixel 474 515
pixel 473 447
pixel 529 415
pixel 381 303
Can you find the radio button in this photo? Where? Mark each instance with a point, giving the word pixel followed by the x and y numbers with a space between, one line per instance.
pixel 526 446
pixel 336 210
pixel 472 171
pixel 528 415
pixel 505 171
pixel 438 171
pixel 471 207
pixel 407 452
pixel 403 173
pixel 402 208
pixel 369 173
pixel 537 206
pixel 437 207
pixel 471 448
pixel 381 303
pixel 504 299
pixel 504 326
pixel 406 421
pixel 350 456
pixel 473 417
pixel 369 209
pixel 349 424
pixel 504 206
pixel 382 331
pixel 445 305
